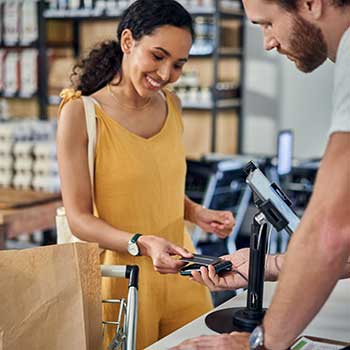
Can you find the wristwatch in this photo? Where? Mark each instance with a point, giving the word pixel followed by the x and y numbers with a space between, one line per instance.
pixel 256 339
pixel 133 248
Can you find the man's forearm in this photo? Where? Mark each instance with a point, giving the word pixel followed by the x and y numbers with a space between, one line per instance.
pixel 317 254
pixel 275 264
pixel 308 276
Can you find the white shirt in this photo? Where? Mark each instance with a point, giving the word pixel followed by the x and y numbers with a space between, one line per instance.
pixel 341 96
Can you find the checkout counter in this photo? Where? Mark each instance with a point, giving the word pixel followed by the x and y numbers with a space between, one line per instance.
pixel 332 322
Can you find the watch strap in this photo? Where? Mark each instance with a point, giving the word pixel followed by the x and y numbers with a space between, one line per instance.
pixel 135 237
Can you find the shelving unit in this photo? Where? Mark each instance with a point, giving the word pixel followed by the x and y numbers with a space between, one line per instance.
pixel 18 47
pixel 216 14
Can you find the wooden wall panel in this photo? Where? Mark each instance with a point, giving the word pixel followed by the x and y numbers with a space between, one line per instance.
pixel 59 74
pixel 228 70
pixel 91 33
pixel 52 111
pixel 230 33
pixel 226 139
pixel 197 134
pixel 59 31
pixel 23 108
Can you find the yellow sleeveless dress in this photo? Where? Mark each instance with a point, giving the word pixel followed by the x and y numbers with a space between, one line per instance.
pixel 140 187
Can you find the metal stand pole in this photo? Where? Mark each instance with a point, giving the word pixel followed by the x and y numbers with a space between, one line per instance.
pixel 247 318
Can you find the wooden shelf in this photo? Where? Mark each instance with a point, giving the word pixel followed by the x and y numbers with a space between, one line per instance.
pixel 227 104
pixel 19 46
pixel 18 96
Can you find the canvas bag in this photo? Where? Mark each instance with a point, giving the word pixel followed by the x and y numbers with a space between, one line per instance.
pixel 64 233
pixel 51 298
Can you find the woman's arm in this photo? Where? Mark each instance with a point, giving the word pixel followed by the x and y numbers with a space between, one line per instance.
pixel 75 181
pixel 219 222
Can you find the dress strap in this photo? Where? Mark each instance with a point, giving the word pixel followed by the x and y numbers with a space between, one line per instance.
pixel 67 95
pixel 71 94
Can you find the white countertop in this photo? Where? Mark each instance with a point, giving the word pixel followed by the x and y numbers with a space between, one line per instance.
pixel 333 321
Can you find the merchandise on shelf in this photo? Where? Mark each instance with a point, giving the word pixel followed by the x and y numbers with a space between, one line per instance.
pixel 29 30
pixel 45 168
pixel 6 163
pixel 28 155
pixel 113 7
pixel 11 14
pixel 226 90
pixel 6 177
pixel 28 72
pixel 23 180
pixel 11 76
pixel 204 36
pixel 6 148
pixel 198 5
pixel 190 92
pixel 23 150
pixel 23 155
pixel 19 72
pixel 45 150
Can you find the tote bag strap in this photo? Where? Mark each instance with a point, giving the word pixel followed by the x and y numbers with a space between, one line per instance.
pixel 90 118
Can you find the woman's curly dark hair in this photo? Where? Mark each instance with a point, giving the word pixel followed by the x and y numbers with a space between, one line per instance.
pixel 143 17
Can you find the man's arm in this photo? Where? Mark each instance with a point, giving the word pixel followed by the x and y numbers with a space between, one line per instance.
pixel 318 250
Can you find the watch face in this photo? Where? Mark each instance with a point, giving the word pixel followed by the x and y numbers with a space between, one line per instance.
pixel 256 339
pixel 133 249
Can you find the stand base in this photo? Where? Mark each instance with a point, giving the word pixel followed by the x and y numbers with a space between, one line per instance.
pixel 237 319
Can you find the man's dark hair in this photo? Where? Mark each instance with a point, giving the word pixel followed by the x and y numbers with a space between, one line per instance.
pixel 292 5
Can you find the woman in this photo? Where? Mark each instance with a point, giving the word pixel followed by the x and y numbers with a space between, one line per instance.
pixel 139 165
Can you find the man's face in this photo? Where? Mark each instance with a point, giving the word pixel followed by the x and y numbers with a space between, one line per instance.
pixel 289 33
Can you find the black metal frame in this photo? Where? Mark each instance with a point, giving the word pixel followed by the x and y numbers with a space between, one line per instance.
pixel 218 16
pixel 42 67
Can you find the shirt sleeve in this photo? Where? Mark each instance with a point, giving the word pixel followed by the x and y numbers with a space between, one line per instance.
pixel 341 97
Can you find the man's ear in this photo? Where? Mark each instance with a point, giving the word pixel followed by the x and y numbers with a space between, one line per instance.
pixel 127 41
pixel 311 9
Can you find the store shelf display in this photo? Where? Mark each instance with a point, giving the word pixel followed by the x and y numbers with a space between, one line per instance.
pixel 113 9
pixel 28 155
pixel 20 51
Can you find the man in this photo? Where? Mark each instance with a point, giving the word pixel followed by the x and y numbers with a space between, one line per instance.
pixel 307 32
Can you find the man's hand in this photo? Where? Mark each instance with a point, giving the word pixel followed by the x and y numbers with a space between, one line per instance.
pixel 237 278
pixel 214 221
pixel 236 341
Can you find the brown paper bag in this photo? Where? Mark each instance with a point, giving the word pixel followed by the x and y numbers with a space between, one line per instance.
pixel 50 298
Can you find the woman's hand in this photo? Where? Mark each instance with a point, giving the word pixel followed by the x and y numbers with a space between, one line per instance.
pixel 237 278
pixel 161 251
pixel 215 221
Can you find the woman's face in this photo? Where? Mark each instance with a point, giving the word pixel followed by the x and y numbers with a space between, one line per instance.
pixel 155 60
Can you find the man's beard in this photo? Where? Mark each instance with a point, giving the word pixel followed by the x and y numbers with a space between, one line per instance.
pixel 307 45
